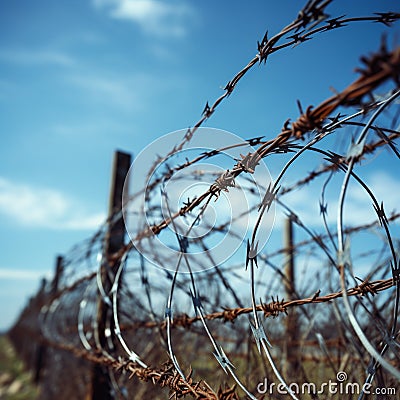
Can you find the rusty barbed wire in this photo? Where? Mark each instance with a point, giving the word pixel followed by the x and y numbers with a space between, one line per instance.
pixel 272 308
pixel 361 87
pixel 193 333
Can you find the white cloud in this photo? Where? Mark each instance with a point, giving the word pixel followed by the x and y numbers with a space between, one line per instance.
pixel 132 92
pixel 44 208
pixel 155 17
pixel 118 91
pixel 36 57
pixel 89 129
pixel 19 274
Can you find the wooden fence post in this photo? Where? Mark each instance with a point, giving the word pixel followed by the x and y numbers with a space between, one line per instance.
pixel 41 351
pixel 291 360
pixel 101 387
pixel 57 276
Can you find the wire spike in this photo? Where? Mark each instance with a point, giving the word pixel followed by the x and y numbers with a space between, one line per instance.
pixel 259 336
pixel 223 360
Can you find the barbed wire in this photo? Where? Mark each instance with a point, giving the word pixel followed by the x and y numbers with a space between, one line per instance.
pixel 169 325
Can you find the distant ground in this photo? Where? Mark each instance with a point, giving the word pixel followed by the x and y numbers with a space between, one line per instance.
pixel 15 383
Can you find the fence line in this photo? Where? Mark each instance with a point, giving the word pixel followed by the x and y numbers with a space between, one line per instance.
pixel 200 332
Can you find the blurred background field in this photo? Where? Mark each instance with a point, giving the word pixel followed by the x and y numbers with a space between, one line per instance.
pixel 15 382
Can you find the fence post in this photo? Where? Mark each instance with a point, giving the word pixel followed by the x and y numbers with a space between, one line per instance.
pixel 57 276
pixel 41 351
pixel 291 360
pixel 101 387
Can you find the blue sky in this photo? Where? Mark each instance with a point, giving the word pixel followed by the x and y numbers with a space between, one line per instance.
pixel 79 79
